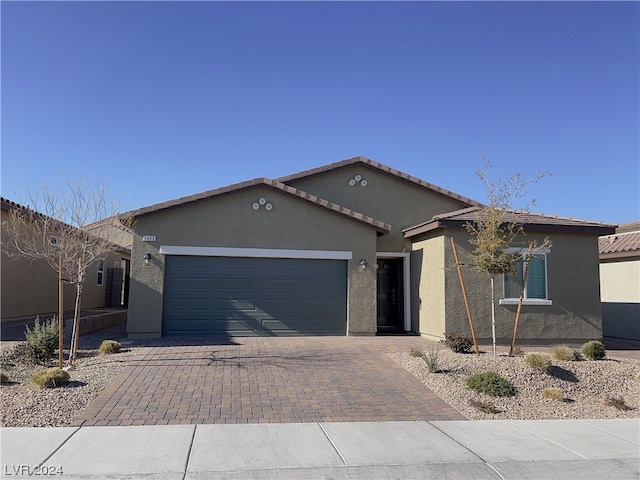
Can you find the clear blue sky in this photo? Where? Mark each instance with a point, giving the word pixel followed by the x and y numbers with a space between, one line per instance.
pixel 164 99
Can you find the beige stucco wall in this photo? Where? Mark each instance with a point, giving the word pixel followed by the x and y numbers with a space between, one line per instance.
pixel 573 287
pixel 31 288
pixel 229 221
pixel 386 198
pixel 428 282
pixel 620 280
pixel 620 290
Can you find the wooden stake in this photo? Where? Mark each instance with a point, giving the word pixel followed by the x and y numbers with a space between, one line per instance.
pixel 524 283
pixel 464 294
pixel 60 316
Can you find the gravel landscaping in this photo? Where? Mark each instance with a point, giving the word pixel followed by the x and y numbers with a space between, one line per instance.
pixel 586 386
pixel 26 405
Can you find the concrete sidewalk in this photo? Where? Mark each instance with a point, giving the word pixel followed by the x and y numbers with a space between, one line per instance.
pixel 524 449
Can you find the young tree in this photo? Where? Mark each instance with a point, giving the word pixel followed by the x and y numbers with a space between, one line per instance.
pixel 52 229
pixel 496 228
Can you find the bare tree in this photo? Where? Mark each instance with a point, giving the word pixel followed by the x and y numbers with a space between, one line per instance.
pixel 496 228
pixel 52 229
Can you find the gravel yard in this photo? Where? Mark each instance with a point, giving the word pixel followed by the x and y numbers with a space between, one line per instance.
pixel 586 385
pixel 26 405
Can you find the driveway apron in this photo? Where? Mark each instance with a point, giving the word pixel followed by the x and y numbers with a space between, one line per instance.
pixel 267 380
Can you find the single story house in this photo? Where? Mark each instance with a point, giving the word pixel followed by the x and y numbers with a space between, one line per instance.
pixel 350 248
pixel 30 288
pixel 620 283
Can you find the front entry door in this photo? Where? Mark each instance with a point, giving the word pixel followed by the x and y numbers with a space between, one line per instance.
pixel 390 295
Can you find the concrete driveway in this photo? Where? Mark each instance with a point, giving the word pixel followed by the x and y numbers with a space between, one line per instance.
pixel 267 380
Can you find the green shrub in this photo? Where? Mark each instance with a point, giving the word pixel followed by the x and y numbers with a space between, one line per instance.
pixel 540 362
pixel 563 353
pixel 42 341
pixel 50 378
pixel 109 346
pixel 553 393
pixel 4 378
pixel 457 342
pixel 594 350
pixel 492 384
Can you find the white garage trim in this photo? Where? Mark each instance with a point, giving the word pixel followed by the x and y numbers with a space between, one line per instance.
pixel 406 282
pixel 254 252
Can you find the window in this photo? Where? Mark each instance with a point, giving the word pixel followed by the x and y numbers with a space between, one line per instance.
pixel 100 272
pixel 535 291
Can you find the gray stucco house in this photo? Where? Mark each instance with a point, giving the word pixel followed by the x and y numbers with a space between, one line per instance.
pixel 350 248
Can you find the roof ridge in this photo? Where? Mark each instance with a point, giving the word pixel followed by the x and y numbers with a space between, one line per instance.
pixel 382 167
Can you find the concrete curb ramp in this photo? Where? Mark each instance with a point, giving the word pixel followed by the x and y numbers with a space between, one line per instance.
pixel 502 450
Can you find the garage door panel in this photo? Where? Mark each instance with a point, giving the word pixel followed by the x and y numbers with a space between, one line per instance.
pixel 237 284
pixel 235 305
pixel 254 296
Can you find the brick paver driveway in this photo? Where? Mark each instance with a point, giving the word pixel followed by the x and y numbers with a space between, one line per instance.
pixel 267 380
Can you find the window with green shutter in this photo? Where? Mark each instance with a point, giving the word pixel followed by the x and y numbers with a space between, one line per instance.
pixel 536 286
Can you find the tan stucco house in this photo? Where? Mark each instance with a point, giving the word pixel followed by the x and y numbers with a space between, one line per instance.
pixel 620 283
pixel 350 248
pixel 30 288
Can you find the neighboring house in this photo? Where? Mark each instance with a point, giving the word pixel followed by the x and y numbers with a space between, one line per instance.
pixel 118 273
pixel 30 288
pixel 354 248
pixel 620 283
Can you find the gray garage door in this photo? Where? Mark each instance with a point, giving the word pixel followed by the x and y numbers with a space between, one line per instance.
pixel 254 296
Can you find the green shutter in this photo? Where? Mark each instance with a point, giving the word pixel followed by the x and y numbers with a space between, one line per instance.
pixel 537 278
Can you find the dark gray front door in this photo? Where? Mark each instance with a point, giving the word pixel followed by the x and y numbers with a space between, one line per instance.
pixel 390 295
pixel 254 296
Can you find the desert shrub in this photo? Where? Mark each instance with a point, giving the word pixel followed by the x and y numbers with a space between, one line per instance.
pixel 109 346
pixel 415 353
pixel 553 393
pixel 50 378
pixel 538 361
pixel 484 407
pixel 617 402
pixel 432 359
pixel 492 384
pixel 42 341
pixel 457 342
pixel 518 351
pixel 594 350
pixel 4 378
pixel 563 353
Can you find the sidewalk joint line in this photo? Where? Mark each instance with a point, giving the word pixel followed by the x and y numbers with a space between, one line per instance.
pixel 186 465
pixel 77 429
pixel 458 442
pixel 493 468
pixel 584 420
pixel 333 445
pixel 549 440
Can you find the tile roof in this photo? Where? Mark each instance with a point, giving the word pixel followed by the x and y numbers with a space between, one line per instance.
pixel 380 226
pixel 624 243
pixel 8 205
pixel 531 222
pixel 383 168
